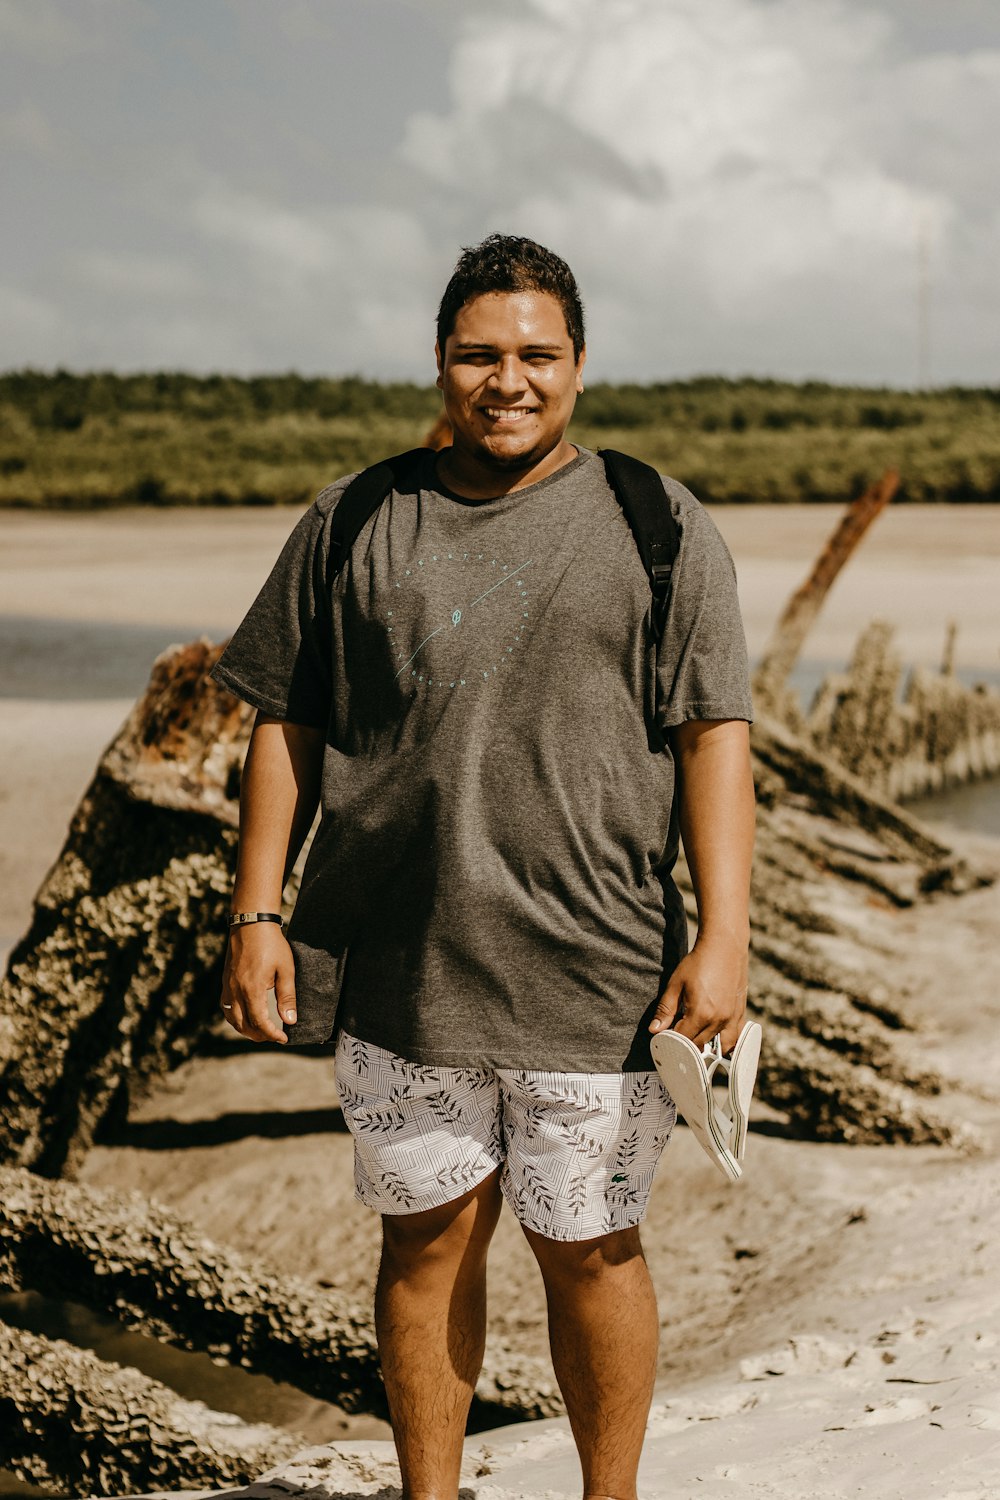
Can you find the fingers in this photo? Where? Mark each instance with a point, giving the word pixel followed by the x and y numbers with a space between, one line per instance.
pixel 733 1027
pixel 669 1004
pixel 251 973
pixel 700 1004
pixel 252 1019
pixel 284 990
pixel 702 1019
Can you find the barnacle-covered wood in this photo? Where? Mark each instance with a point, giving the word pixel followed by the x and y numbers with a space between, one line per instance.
pixel 905 740
pixel 789 634
pixel 832 862
pixel 119 972
pixel 82 1426
pixel 122 1254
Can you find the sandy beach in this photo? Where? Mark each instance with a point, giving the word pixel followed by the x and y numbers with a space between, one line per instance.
pixel 830 1327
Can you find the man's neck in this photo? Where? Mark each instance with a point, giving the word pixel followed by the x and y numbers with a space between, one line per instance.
pixel 475 479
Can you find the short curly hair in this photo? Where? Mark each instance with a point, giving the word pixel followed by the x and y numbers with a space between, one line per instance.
pixel 511 263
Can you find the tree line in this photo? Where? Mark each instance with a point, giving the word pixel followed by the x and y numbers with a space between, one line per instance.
pixel 79 441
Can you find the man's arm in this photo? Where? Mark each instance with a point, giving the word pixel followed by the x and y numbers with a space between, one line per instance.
pixel 708 989
pixel 278 797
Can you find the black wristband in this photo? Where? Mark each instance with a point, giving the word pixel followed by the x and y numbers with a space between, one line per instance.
pixel 244 918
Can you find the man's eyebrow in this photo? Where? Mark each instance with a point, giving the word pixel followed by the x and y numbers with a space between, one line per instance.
pixel 485 344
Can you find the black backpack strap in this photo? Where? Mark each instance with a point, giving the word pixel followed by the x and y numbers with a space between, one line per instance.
pixel 639 491
pixel 361 500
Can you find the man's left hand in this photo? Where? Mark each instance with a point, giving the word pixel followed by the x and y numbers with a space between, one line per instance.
pixel 707 993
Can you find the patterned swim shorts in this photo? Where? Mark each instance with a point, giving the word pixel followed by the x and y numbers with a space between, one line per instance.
pixel 577 1151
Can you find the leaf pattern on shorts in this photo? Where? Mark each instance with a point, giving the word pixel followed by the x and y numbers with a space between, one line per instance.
pixel 574 1096
pixel 519 1203
pixel 536 1191
pixel 395 1188
pixel 423 1073
pixel 367 1119
pixel 565 1124
pixel 662 1136
pixel 461 1172
pixel 445 1106
pixel 638 1096
pixel 572 1132
pixel 628 1148
pixel 532 1120
pixel 576 1195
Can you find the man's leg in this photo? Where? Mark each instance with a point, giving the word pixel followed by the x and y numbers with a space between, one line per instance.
pixel 604 1332
pixel 430 1316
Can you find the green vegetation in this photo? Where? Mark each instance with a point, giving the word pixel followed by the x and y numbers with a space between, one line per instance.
pixel 83 441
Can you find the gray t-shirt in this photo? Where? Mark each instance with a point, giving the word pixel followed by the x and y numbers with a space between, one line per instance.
pixel 489 885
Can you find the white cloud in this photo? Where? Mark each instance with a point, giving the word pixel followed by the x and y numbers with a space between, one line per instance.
pixel 284 240
pixel 738 185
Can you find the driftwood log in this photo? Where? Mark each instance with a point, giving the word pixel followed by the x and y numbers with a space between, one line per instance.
pixel 829 855
pixel 82 1426
pixel 782 651
pixel 118 1253
pixel 118 975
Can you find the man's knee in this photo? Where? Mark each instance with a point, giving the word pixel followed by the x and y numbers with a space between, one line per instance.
pixel 578 1260
pixel 452 1231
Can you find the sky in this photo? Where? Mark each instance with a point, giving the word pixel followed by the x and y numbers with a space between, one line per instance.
pixel 782 188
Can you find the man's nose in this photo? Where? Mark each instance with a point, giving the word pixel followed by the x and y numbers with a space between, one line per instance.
pixel 508 377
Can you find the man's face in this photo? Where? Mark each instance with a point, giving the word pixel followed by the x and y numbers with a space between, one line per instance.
pixel 509 378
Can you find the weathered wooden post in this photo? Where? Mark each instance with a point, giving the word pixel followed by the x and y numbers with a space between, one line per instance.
pixel 118 975
pixel 783 649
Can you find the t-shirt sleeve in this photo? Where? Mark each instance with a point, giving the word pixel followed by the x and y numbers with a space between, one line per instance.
pixel 702 668
pixel 280 657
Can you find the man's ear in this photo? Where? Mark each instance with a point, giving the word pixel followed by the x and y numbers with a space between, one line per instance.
pixel 440 363
pixel 579 370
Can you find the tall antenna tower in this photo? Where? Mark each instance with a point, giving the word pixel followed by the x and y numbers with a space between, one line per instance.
pixel 923 302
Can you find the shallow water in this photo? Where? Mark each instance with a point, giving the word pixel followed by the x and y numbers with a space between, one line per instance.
pixel 974 808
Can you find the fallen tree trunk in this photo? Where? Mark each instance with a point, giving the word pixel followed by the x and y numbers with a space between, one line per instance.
pixel 793 626
pixel 121 1254
pixel 83 1426
pixel 119 973
pixel 830 855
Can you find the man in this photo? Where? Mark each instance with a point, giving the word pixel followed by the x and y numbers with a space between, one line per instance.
pixel 493 731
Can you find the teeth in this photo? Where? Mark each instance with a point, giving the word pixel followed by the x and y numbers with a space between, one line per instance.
pixel 507 413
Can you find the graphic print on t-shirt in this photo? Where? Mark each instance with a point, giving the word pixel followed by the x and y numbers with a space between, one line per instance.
pixel 457 618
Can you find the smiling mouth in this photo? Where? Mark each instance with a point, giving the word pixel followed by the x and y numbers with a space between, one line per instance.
pixel 507 413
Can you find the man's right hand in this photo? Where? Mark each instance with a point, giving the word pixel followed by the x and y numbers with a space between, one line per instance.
pixel 258 959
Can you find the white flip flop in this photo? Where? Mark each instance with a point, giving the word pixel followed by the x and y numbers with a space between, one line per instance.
pixel 743 1064
pixel 686 1072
